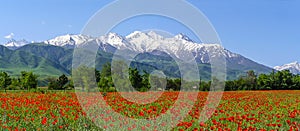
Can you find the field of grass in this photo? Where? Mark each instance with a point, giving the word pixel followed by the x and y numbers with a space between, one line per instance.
pixel 243 110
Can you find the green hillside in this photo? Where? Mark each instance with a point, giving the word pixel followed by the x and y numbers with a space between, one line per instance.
pixel 52 61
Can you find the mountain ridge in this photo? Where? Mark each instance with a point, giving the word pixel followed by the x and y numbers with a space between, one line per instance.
pixel 59 50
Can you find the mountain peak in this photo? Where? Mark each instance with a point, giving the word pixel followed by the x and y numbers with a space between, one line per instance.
pixel 13 44
pixel 68 40
pixel 293 67
pixel 182 36
pixel 139 34
pixel 114 36
pixel 135 34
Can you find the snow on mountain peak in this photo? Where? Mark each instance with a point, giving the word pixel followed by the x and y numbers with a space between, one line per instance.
pixel 145 42
pixel 154 35
pixel 293 67
pixel 115 37
pixel 180 46
pixel 135 34
pixel 13 44
pixel 142 35
pixel 182 36
pixel 112 39
pixel 68 40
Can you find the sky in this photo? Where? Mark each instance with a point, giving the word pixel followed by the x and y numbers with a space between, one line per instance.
pixel 266 31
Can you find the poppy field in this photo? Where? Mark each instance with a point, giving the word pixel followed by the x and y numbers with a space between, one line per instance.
pixel 239 110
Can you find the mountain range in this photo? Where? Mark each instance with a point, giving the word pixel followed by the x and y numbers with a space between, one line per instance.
pixel 53 57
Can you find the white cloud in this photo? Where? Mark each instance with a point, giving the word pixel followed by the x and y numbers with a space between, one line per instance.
pixel 69 26
pixel 10 36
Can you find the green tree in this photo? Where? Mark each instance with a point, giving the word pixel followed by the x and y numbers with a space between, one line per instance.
pixel 28 80
pixel 98 75
pixel 84 78
pixel 62 81
pixel 135 79
pixel 15 84
pixel 5 80
pixel 105 81
pixel 241 84
pixel 204 86
pixel 287 80
pixel 106 70
pixel 145 85
pixel 230 86
pixel 296 82
pixel 251 80
pixel 70 85
pixel 173 84
pixel 264 82
pixel 53 84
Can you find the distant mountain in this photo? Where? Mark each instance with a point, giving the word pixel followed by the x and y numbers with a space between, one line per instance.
pixel 58 53
pixel 68 40
pixel 14 44
pixel 15 61
pixel 292 67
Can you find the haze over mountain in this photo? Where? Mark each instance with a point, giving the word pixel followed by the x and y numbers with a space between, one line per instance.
pixel 58 52
pixel 293 67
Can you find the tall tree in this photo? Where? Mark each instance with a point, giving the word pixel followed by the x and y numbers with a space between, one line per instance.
pixel 296 82
pixel 145 85
pixel 28 80
pixel 5 80
pixel 105 81
pixel 135 78
pixel 287 80
pixel 264 82
pixel 251 80
pixel 62 81
pixel 84 77
pixel 53 84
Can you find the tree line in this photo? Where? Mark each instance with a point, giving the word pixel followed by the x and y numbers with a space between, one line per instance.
pixel 29 81
pixel 26 81
pixel 276 80
pixel 142 81
pixel 279 80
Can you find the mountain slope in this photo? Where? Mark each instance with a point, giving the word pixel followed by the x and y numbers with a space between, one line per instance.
pixel 15 61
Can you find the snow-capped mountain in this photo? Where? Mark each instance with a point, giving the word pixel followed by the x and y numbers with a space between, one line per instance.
pixel 292 67
pixel 183 37
pixel 155 51
pixel 68 40
pixel 151 42
pixel 14 44
pixel 178 45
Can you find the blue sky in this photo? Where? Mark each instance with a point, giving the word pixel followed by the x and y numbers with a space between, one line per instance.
pixel 266 31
